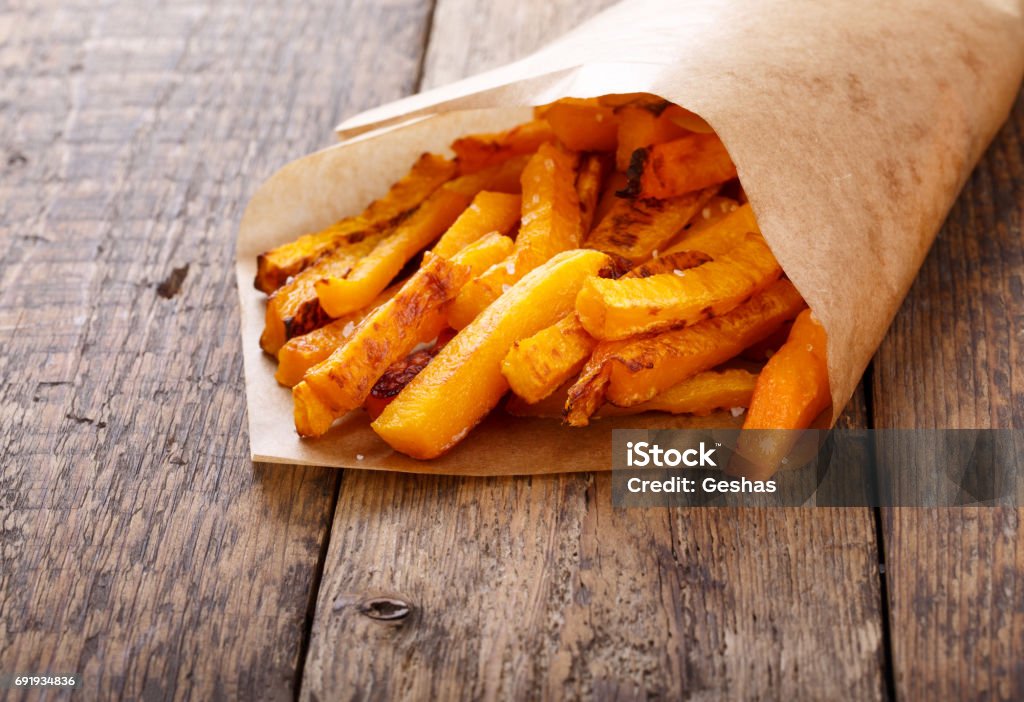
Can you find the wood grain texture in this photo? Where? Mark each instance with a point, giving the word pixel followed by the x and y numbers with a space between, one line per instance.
pixel 954 357
pixel 139 547
pixel 525 588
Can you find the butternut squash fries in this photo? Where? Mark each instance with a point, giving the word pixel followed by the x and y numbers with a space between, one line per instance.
pixel 464 381
pixel 428 174
pixel 535 367
pixel 588 261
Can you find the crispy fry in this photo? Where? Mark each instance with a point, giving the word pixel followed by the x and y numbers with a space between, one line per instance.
pixel 423 421
pixel 582 125
pixel 632 371
pixel 536 366
pixel 588 189
pixel 700 394
pixel 791 392
pixel 641 126
pixel 303 352
pixel 714 211
pixel 294 309
pixel 489 212
pixel 391 331
pixel 550 224
pixel 616 309
pixel 677 167
pixel 724 235
pixel 616 182
pixel 373 272
pixel 793 388
pixel 502 178
pixel 484 252
pixel 475 152
pixel 635 229
pixel 428 174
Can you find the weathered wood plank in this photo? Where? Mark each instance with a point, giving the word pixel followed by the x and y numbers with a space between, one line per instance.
pixel 139 547
pixel 955 358
pixel 520 588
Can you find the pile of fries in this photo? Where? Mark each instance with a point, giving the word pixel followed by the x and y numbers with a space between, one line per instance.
pixel 598 260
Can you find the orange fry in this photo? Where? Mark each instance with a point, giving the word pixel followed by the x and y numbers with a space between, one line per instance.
pixel 582 125
pixel 721 236
pixel 428 174
pixel 294 309
pixel 342 382
pixel 700 394
pixel 475 152
pixel 536 366
pixel 464 381
pixel 791 392
pixel 677 167
pixel 550 224
pixel 588 189
pixel 616 181
pixel 489 212
pixel 635 229
pixel 303 352
pixel 616 309
pixel 374 271
pixel 632 371
pixel 793 388
pixel 641 126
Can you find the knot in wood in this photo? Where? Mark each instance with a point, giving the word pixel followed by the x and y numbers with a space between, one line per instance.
pixel 385 608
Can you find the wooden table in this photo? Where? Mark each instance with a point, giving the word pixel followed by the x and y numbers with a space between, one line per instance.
pixel 140 548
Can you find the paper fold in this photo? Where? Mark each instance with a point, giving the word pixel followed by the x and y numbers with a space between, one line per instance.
pixel 853 128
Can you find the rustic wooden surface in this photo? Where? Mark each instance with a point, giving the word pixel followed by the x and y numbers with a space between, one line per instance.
pixel 140 548
pixel 954 357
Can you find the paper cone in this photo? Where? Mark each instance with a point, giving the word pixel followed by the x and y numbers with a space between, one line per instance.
pixel 852 125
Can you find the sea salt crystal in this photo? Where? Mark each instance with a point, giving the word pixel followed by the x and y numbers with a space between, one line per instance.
pixel 360 456
pixel 737 411
pixel 654 254
pixel 474 207
pixel 510 267
pixel 810 347
pixel 289 280
pixel 733 206
pixel 347 330
pixel 599 117
pixel 535 199
pixel 505 287
pixel 679 272
pixel 706 213
pixel 549 164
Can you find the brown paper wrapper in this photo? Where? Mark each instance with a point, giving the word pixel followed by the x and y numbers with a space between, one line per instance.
pixel 853 127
